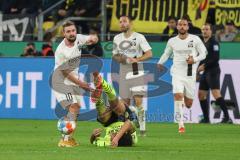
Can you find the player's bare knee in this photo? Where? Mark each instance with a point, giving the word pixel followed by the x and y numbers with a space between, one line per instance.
pixel 188 103
pixel 74 107
pixel 189 106
pixel 201 96
pixel 216 93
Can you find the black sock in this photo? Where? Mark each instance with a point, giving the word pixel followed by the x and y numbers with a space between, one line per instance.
pixel 205 109
pixel 220 101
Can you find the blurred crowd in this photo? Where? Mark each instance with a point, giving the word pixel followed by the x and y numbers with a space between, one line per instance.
pixel 92 8
pixel 226 33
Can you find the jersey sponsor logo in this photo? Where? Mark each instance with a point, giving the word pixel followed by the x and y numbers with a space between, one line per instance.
pixel 133 42
pixel 190 44
pixel 128 47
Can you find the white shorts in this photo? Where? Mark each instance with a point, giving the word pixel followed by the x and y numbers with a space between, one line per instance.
pixel 70 96
pixel 184 85
pixel 132 87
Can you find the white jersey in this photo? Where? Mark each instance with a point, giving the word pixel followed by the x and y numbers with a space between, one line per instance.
pixel 181 50
pixel 69 57
pixel 133 46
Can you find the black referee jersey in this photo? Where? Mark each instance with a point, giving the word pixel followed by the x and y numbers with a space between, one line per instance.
pixel 212 58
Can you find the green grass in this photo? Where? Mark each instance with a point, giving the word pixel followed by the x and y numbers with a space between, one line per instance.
pixel 37 140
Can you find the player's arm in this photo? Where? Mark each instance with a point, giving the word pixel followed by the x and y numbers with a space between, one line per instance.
pixel 146 49
pixel 202 51
pixel 87 39
pixel 92 39
pixel 73 78
pixel 96 133
pixel 126 127
pixel 147 55
pixel 166 54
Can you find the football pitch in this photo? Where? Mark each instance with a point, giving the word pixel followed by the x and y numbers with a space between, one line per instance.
pixel 37 140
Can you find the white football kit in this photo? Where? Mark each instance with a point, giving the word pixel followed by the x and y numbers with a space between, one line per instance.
pixel 66 58
pixel 183 74
pixel 133 46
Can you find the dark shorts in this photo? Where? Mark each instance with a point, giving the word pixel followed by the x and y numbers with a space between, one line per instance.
pixel 128 115
pixel 210 79
pixel 114 118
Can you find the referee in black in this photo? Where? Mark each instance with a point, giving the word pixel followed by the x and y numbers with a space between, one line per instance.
pixel 210 78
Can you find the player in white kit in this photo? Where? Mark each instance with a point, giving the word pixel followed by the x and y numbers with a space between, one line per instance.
pixel 187 51
pixel 65 80
pixel 131 48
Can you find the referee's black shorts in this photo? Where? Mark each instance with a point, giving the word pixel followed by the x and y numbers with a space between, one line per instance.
pixel 210 79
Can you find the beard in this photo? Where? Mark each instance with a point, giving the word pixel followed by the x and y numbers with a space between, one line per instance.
pixel 182 32
pixel 206 36
pixel 125 29
pixel 71 38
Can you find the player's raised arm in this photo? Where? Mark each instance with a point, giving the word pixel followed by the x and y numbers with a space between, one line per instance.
pixel 167 52
pixel 92 39
pixel 87 39
pixel 127 126
pixel 202 51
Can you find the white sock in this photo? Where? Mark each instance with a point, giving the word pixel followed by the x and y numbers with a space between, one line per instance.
pixel 178 106
pixel 141 118
pixel 65 137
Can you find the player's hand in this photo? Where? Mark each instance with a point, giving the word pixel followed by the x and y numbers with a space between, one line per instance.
pixel 114 142
pixel 190 60
pixel 93 39
pixel 85 86
pixel 160 67
pixel 132 60
pixel 201 68
pixel 97 132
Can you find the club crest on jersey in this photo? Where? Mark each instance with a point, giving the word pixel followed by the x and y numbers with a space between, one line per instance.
pixel 133 42
pixel 190 44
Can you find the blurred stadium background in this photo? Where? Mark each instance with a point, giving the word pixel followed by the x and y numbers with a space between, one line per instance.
pixel 31 30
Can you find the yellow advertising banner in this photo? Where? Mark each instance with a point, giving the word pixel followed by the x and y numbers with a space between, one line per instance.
pixel 150 16
pixel 227 10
